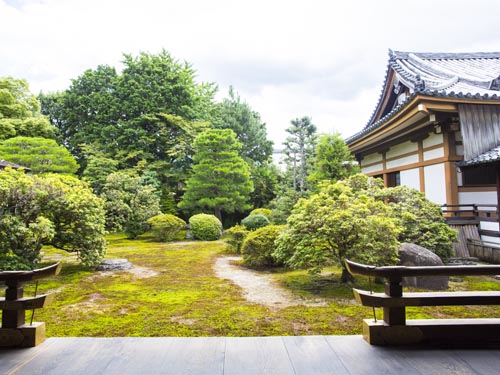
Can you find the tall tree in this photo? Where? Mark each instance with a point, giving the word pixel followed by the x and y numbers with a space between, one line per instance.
pixel 332 160
pixel 134 115
pixel 299 149
pixel 235 114
pixel 20 111
pixel 41 155
pixel 221 178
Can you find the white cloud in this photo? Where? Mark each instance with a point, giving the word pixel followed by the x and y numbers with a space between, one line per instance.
pixel 288 59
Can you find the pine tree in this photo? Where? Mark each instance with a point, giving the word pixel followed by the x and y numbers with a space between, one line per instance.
pixel 221 178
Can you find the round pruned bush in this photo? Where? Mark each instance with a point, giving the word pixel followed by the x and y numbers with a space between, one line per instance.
pixel 167 227
pixel 262 211
pixel 235 237
pixel 254 222
pixel 258 247
pixel 205 227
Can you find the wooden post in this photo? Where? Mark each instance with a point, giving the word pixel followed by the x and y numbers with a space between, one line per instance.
pixel 14 331
pixel 13 318
pixel 394 316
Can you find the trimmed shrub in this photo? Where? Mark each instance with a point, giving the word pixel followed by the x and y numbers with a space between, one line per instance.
pixel 254 222
pixel 258 247
pixel 205 227
pixel 262 211
pixel 235 237
pixel 167 227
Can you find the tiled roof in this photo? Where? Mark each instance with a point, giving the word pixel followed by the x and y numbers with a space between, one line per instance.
pixel 451 75
pixel 488 157
pixel 5 164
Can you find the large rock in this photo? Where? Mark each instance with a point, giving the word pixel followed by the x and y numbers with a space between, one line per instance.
pixel 114 265
pixel 414 255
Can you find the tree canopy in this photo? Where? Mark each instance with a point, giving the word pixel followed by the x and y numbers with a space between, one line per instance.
pixel 52 210
pixel 235 114
pixel 332 160
pixel 299 150
pixel 334 225
pixel 138 114
pixel 40 155
pixel 221 178
pixel 20 111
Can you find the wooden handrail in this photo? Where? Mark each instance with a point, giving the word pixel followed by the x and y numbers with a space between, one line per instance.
pixel 394 329
pixel 403 271
pixel 24 276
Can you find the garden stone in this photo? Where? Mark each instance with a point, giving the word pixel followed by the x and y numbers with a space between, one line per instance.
pixel 114 265
pixel 414 255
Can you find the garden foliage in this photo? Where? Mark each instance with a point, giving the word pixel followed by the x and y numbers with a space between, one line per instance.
pixel 335 225
pixel 235 237
pixel 262 211
pixel 167 227
pixel 253 222
pixel 205 227
pixel 129 201
pixel 259 246
pixel 52 210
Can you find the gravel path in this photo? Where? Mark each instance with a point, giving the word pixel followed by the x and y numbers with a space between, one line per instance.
pixel 259 288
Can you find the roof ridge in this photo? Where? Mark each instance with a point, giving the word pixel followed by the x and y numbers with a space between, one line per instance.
pixel 446 55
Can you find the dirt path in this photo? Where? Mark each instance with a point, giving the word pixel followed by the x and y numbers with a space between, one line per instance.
pixel 259 288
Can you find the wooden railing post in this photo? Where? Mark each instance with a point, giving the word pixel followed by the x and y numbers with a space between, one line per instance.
pixel 14 331
pixel 394 315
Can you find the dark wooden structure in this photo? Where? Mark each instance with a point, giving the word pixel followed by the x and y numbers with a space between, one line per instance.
pixel 395 329
pixel 14 330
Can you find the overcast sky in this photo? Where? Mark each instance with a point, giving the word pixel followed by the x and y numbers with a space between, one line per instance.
pixel 287 59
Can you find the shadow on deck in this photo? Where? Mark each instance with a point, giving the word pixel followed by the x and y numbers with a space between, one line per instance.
pixel 310 355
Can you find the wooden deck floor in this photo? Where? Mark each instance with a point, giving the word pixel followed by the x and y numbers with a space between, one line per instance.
pixel 310 355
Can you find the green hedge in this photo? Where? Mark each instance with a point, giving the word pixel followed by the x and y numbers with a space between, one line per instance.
pixel 167 227
pixel 235 237
pixel 259 245
pixel 254 222
pixel 205 227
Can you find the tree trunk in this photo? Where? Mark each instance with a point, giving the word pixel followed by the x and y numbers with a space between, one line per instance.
pixel 346 276
pixel 218 213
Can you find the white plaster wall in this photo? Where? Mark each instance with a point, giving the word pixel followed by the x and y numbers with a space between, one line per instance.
pixel 435 183
pixel 491 239
pixel 402 161
pixel 434 154
pixel 402 148
pixel 411 178
pixel 372 158
pixel 433 140
pixel 488 225
pixel 483 197
pixel 372 169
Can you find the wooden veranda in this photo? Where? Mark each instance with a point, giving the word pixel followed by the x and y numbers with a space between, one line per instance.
pixel 339 355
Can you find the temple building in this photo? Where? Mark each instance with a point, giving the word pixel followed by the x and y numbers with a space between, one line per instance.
pixel 436 128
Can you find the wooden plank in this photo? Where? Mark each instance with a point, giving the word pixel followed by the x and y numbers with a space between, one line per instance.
pixel 361 358
pixel 436 362
pixel 428 298
pixel 27 303
pixel 143 355
pixel 122 356
pixel 256 355
pixel 195 355
pixel 312 355
pixel 402 271
pixel 24 276
pixel 481 361
pixel 12 360
pixel 73 356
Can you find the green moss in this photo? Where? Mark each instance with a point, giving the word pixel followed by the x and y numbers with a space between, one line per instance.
pixel 185 298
